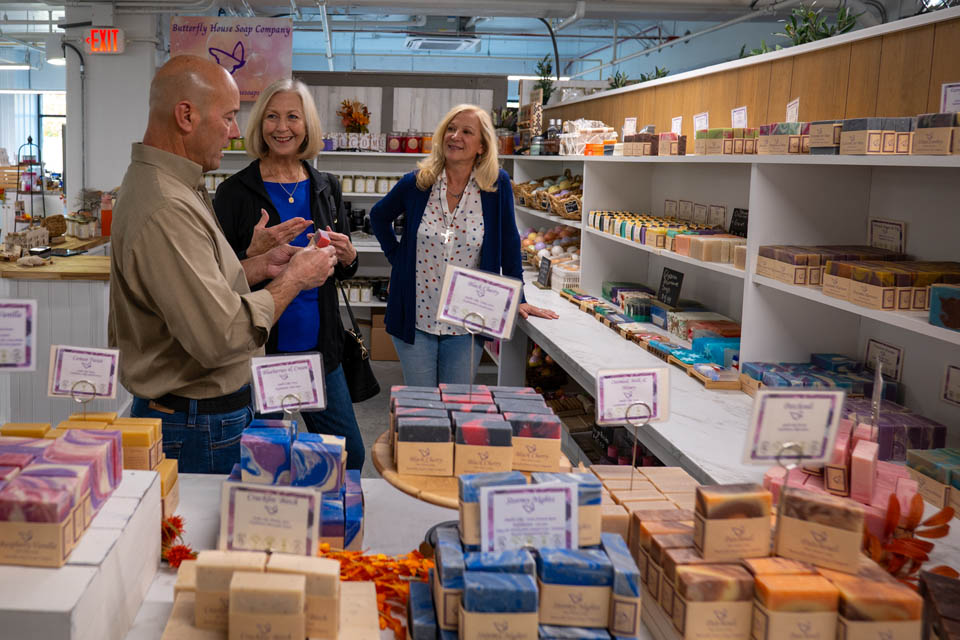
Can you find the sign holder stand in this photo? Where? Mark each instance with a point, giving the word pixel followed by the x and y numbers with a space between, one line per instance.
pixel 83 400
pixel 636 430
pixel 472 331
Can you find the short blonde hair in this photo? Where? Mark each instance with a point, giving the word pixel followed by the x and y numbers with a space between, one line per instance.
pixel 487 165
pixel 312 141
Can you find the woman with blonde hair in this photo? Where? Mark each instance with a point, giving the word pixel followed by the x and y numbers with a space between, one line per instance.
pixel 275 200
pixel 459 211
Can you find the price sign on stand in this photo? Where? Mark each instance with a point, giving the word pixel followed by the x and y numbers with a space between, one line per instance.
pixel 738 222
pixel 670 283
pixel 950 97
pixel 793 110
pixel 685 210
pixel 18 335
pixel 543 276
pixel 701 121
pixel 479 301
pixel 543 515
pixel 888 234
pixel 676 125
pixel 738 118
pixel 717 215
pixel 620 389
pixel 700 213
pixel 807 420
pixel 269 518
pixel 288 381
pixel 670 208
pixel 890 357
pixel 83 372
pixel 629 126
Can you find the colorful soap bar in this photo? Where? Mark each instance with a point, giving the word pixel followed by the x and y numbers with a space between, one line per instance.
pixel 8 472
pixel 457 407
pixel 450 387
pixel 265 455
pixel 449 557
pixel 464 398
pixel 660 542
pixel 499 592
pixel 484 432
pixel 823 509
pixel 470 483
pixel 417 429
pixel 797 593
pixel 421 616
pixel 588 487
pixel 584 567
pixel 115 441
pixel 535 425
pixel 25 429
pixel 512 390
pixel 418 403
pixel 863 470
pixel 651 527
pixel 533 405
pixel 318 461
pixel 554 632
pixel 719 502
pixel 332 518
pixel 35 499
pixel 420 412
pixel 353 520
pixel 673 558
pixel 865 599
pixel 714 583
pixel 778 566
pixel 16 459
pixel 511 561
pixel 78 474
pixel 626 576
pixel 97 455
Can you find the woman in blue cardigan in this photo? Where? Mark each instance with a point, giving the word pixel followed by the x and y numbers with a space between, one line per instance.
pixel 459 211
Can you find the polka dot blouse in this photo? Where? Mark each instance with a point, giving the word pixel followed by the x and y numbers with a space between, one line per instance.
pixel 433 254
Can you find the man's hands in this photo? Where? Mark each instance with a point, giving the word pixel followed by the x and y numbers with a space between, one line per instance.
pixel 276 260
pixel 311 266
pixel 267 238
pixel 346 253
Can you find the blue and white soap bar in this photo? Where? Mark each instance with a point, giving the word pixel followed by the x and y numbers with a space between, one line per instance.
pixel 552 632
pixel 471 483
pixel 449 556
pixel 318 461
pixel 499 592
pixel 626 576
pixel 265 456
pixel 581 567
pixel 421 616
pixel 332 519
pixel 511 561
pixel 589 486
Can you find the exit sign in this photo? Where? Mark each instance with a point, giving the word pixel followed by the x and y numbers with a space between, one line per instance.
pixel 108 40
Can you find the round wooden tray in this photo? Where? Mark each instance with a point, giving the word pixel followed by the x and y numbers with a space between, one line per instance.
pixel 442 491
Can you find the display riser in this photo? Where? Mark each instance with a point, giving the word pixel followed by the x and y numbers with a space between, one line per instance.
pixel 97 594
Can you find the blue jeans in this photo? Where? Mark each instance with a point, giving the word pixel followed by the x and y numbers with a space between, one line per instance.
pixel 432 359
pixel 201 442
pixel 337 419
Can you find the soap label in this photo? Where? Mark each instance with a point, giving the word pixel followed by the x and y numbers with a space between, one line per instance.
pixel 885 630
pixel 951 386
pixel 264 626
pixel 536 454
pixel 473 458
pixel 18 335
pixel 479 301
pixel 712 620
pixel 738 118
pixel 543 515
pixel 936 493
pixel 731 539
pixel 620 389
pixel 889 356
pixel 888 234
pixel 425 458
pixel 288 382
pixel 267 518
pixel 498 626
pixel 717 215
pixel 793 110
pixel 670 208
pixel 807 418
pixel 625 616
pixel 83 372
pixel 685 210
pixel 818 544
pixel 774 625
pixel 574 605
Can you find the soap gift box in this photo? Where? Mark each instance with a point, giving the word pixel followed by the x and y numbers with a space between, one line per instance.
pixel 732 522
pixel 821 529
pixel 536 441
pixel 807 602
pixel 424 446
pixel 575 587
pixel 469 486
pixel 713 602
pixel 862 136
pixel 937 134
pixel 46 539
pixel 482 444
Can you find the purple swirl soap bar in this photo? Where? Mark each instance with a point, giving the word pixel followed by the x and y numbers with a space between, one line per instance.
pixel 265 456
pixel 97 455
pixel 34 499
pixel 318 461
pixel 113 438
pixel 80 474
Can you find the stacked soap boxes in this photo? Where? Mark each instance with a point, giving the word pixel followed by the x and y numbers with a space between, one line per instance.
pixel 824 371
pixel 460 429
pixel 641 144
pixel 273 453
pixel 875 136
pixel 783 138
pixel 937 473
pixel 804 265
pixel 725 141
pixel 671 144
pixel 937 134
pixel 50 489
pixel 891 286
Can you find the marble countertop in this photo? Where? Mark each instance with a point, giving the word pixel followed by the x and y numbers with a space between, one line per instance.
pixel 705 431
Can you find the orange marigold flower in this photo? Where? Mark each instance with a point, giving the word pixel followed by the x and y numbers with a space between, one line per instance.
pixel 178 553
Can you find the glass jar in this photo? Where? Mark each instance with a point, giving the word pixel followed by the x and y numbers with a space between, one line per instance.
pixel 346 185
pixel 370 184
pixel 413 143
pixel 383 184
pixel 536 146
pixel 366 292
pixel 359 184
pixel 426 143
pixel 395 143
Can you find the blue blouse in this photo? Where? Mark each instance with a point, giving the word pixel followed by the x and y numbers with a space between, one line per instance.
pixel 299 324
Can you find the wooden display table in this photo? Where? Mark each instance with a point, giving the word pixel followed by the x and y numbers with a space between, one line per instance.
pixel 442 491
pixel 73 268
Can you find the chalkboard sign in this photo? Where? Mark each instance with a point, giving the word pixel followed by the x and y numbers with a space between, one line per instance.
pixel 543 277
pixel 738 223
pixel 670 283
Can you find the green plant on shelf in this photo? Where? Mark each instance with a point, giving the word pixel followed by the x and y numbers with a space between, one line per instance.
pixel 545 70
pixel 763 48
pixel 653 75
pixel 619 79
pixel 807 24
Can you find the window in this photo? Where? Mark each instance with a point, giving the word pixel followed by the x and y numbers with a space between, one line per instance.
pixel 53 117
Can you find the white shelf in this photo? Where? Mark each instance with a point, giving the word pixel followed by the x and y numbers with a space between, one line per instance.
pixel 353 194
pixel 719 267
pixel 367 247
pixel 915 321
pixel 493 356
pixel 371 154
pixel 547 216
pixel 793 159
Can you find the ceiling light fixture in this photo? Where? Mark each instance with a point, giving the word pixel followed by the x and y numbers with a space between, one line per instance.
pixel 14 67
pixel 53 49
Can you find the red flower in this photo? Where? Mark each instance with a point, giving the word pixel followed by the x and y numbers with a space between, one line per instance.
pixel 178 553
pixel 171 529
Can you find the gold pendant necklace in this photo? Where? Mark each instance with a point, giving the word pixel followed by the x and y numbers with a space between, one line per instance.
pixel 296 184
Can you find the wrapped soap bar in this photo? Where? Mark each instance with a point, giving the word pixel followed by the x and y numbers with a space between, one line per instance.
pixel 588 487
pixel 626 576
pixel 318 461
pixel 820 528
pixel 534 425
pixel 471 483
pixel 97 455
pixel 868 600
pixel 797 593
pixel 484 432
pixel 421 616
pixel 35 499
pixel 511 561
pixel 499 593
pixel 450 559
pixel 714 583
pixel 418 429
pixel 265 455
pixel 556 632
pixel 823 509
pixel 585 567
pixel 115 441
pixel 733 501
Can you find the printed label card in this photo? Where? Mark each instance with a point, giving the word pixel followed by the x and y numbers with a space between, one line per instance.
pixel 18 335
pixel 543 515
pixel 738 118
pixel 793 110
pixel 676 125
pixel 807 418
pixel 468 293
pixel 83 372
pixel 618 390
pixel 888 234
pixel 890 357
pixel 701 121
pixel 269 518
pixel 685 210
pixel 291 382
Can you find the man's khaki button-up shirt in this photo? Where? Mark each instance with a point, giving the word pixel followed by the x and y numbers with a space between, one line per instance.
pixel 181 311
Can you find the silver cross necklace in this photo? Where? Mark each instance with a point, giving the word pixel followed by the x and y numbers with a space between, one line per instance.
pixel 447 230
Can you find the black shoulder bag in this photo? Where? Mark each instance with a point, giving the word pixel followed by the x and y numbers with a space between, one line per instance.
pixel 361 382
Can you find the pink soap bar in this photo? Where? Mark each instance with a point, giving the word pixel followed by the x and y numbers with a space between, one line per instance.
pixel 81 474
pixel 841 448
pixel 863 470
pixel 814 483
pixel 863 431
pixel 905 490
pixel 8 472
pixel 13 459
pixel 97 454
pixel 845 427
pixel 114 438
pixel 26 499
pixel 874 518
pixel 892 470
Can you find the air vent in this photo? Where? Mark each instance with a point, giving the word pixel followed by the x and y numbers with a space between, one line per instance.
pixel 453 43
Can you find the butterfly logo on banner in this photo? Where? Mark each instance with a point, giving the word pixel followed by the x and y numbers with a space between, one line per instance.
pixel 226 59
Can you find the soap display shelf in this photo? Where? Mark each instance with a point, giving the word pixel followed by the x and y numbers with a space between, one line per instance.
pixel 371 154
pixel 719 267
pixel 797 159
pixel 354 194
pixel 548 216
pixel 915 321
pixel 373 304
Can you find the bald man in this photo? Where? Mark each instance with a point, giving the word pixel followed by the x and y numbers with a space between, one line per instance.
pixel 181 310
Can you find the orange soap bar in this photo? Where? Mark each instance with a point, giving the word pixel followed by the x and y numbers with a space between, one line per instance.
pixel 726 501
pixel 863 599
pixel 101 416
pixel 80 424
pixel 135 435
pixel 25 429
pixel 779 566
pixel 54 433
pixel 156 423
pixel 614 519
pixel 651 528
pixel 798 593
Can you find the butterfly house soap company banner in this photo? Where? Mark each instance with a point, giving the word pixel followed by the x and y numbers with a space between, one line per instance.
pixel 256 51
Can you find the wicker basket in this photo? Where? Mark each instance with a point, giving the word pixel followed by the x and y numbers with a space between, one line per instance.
pixel 56 225
pixel 568 207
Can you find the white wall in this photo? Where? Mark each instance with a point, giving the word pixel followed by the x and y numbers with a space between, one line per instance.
pixel 114 110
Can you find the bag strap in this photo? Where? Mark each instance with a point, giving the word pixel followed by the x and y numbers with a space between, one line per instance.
pixel 353 318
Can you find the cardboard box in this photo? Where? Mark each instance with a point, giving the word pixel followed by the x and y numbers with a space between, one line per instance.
pixel 425 458
pixel 492 626
pixel 937 141
pixel 888 630
pixel 536 454
pixel 381 345
pixel 472 458
pixel 264 626
pixel 783 272
pixel 818 544
pixel 36 544
pixel 731 539
pixel 773 625
pixel 836 287
pixel 447 603
pixel 860 143
pixel 936 493
pixel 574 605
pixel 712 620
